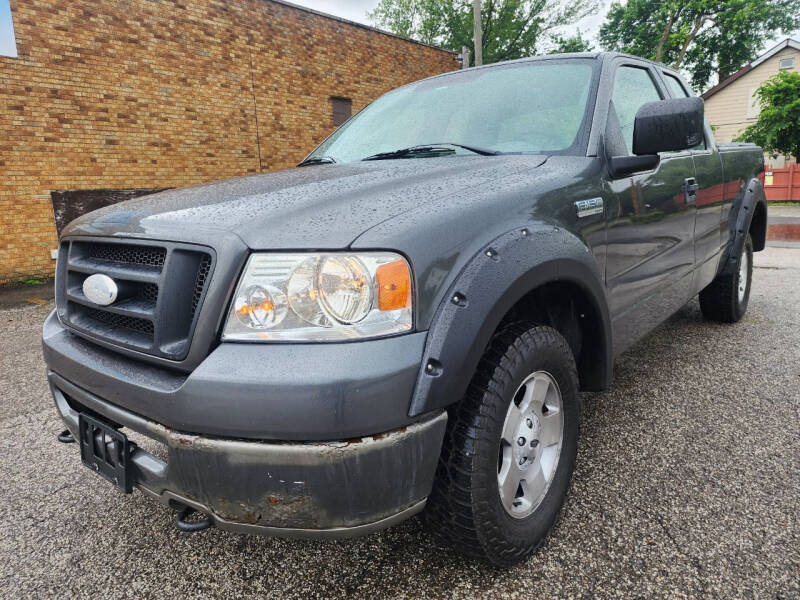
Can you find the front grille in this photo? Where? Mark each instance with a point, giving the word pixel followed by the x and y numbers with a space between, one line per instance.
pixel 149 292
pixel 120 321
pixel 122 253
pixel 161 289
pixel 200 281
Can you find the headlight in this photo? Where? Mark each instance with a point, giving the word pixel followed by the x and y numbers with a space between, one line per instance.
pixel 321 297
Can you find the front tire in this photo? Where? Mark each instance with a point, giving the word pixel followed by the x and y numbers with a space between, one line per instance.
pixel 725 299
pixel 509 449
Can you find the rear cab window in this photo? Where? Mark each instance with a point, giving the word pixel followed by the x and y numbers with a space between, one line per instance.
pixel 678 90
pixel 675 86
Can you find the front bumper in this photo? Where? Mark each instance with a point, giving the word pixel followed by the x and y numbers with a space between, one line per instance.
pixel 315 489
pixel 246 436
pixel 283 392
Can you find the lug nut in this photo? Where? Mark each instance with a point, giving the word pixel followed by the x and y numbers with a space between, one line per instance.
pixel 534 443
pixel 521 441
pixel 529 423
pixel 522 461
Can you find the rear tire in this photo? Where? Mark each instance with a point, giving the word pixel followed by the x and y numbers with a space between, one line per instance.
pixel 509 449
pixel 725 299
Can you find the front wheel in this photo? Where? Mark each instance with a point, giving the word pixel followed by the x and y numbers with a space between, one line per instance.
pixel 510 448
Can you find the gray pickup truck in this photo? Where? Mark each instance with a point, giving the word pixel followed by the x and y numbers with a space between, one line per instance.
pixel 406 320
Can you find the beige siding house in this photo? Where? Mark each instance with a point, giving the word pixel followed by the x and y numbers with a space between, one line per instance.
pixel 730 106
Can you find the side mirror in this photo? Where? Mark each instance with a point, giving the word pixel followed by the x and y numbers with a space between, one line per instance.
pixel 668 126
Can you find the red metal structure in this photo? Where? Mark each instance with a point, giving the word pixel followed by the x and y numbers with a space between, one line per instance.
pixel 782 185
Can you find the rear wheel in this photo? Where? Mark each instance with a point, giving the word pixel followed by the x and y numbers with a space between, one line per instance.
pixel 510 448
pixel 726 298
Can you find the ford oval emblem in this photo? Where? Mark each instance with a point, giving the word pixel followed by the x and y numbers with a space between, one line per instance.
pixel 100 289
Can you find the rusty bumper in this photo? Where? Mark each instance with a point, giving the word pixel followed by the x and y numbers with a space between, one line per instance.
pixel 293 489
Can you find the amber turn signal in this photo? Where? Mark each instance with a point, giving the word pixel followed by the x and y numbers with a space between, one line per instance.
pixel 394 286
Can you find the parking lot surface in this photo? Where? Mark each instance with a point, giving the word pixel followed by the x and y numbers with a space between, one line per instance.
pixel 687 484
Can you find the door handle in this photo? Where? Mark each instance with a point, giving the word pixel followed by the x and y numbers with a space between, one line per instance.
pixel 690 188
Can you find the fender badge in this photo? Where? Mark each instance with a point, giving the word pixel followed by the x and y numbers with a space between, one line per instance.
pixel 587 208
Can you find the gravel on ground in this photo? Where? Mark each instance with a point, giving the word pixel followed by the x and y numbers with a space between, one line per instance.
pixel 687 485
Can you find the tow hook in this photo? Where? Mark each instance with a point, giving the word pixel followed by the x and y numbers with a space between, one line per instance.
pixel 184 524
pixel 65 437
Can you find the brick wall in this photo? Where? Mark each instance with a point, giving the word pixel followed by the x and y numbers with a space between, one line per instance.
pixel 155 93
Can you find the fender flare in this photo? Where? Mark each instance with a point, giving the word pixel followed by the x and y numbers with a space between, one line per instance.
pixel 742 213
pixel 495 279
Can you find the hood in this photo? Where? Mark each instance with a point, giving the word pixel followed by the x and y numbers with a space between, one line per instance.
pixel 315 207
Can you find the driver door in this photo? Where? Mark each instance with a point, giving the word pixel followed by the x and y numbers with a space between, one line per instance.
pixel 650 224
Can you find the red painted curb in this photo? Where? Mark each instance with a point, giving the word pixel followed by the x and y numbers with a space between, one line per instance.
pixel 787 232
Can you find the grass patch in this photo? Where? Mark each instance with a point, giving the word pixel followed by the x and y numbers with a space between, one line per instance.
pixel 24 282
pixel 779 203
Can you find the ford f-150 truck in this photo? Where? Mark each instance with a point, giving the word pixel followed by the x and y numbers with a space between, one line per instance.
pixel 405 320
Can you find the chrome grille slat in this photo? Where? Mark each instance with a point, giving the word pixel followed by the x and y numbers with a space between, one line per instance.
pixel 116 270
pixel 131 308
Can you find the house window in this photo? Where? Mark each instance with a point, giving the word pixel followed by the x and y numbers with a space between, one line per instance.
pixel 342 110
pixel 8 43
pixel 786 64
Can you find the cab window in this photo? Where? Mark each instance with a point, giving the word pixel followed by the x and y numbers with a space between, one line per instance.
pixel 633 87
pixel 675 86
pixel 677 90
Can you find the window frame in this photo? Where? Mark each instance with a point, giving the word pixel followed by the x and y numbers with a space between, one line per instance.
pixel 708 137
pixel 599 119
pixel 791 63
pixel 585 138
pixel 667 76
pixel 657 84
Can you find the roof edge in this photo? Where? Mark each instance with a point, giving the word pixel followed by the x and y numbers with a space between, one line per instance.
pixel 360 25
pixel 723 84
pixel 786 43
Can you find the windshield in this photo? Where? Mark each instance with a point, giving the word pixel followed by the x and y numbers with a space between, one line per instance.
pixel 530 107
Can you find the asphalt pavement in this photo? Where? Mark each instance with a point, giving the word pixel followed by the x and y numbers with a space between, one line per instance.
pixel 687 485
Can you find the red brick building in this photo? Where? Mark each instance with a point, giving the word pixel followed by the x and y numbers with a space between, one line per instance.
pixel 137 94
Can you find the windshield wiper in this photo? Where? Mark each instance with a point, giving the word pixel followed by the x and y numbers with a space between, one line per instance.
pixel 317 160
pixel 439 148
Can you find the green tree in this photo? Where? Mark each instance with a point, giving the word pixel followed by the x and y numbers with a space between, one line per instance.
pixel 511 28
pixel 704 37
pixel 575 43
pixel 777 129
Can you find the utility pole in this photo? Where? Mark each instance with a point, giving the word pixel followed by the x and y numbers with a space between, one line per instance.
pixel 478 33
pixel 464 57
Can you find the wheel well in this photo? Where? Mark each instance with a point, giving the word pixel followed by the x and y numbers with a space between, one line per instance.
pixel 758 227
pixel 566 307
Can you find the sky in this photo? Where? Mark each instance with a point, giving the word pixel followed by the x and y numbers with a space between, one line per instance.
pixel 8 46
pixel 356 10
pixel 353 10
